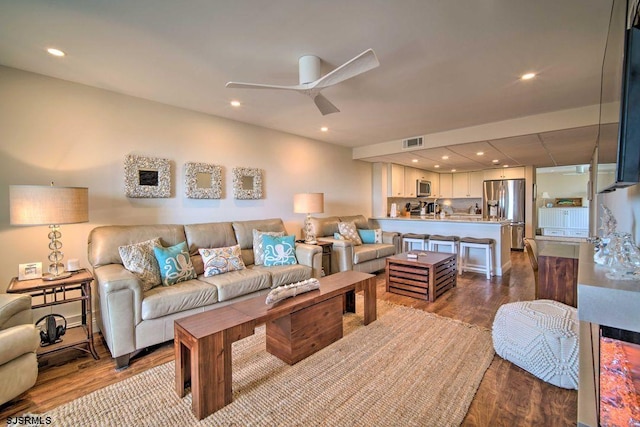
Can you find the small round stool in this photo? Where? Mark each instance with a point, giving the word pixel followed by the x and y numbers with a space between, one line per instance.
pixel 449 242
pixel 409 239
pixel 467 243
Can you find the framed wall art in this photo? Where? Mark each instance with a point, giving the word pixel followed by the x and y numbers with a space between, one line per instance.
pixel 247 183
pixel 147 177
pixel 203 181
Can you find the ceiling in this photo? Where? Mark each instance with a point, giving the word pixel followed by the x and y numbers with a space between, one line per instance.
pixel 444 65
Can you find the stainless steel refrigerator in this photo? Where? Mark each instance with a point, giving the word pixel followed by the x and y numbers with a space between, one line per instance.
pixel 504 200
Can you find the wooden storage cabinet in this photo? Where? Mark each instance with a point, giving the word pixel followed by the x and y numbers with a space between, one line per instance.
pixel 558 273
pixel 426 278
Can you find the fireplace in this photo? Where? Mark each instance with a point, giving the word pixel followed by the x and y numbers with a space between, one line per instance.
pixel 619 399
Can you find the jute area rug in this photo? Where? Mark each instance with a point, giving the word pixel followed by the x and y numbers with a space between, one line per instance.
pixel 407 368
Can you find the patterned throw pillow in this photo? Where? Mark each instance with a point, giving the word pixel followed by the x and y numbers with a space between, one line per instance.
pixel 140 259
pixel 175 264
pixel 279 250
pixel 258 245
pixel 348 230
pixel 221 260
pixel 371 236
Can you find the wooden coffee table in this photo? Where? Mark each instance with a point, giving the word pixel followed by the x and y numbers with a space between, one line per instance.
pixel 426 277
pixel 295 328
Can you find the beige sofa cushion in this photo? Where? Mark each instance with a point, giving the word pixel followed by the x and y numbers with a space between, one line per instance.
pixel 285 274
pixel 244 234
pixel 209 235
pixel 165 300
pixel 103 242
pixel 236 283
pixel 324 226
pixel 359 220
pixel 364 253
pixel 385 249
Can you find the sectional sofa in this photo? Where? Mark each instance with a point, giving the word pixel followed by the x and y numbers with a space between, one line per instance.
pixel 132 319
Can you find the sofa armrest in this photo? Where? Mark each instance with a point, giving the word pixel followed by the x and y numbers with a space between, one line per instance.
pixel 390 237
pixel 16 341
pixel 342 252
pixel 120 295
pixel 15 309
pixel 311 256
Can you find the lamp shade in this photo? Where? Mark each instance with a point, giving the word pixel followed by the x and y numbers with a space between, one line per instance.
pixel 47 205
pixel 308 203
pixel 545 195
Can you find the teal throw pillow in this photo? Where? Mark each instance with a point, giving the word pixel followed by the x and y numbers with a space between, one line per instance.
pixel 175 264
pixel 279 250
pixel 367 236
pixel 370 236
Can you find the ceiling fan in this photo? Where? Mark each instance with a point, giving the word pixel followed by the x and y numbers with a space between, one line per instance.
pixel 311 83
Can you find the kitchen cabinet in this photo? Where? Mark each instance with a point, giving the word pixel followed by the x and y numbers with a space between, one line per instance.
pixel 476 187
pixel 467 184
pixel 411 177
pixel 446 186
pixel 570 222
pixel 395 181
pixel 504 173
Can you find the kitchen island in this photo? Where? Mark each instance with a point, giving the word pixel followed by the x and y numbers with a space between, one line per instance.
pixel 462 226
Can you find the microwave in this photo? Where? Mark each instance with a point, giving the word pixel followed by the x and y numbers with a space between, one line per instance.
pixel 423 188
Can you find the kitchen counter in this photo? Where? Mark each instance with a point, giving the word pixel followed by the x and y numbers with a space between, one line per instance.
pixel 461 226
pixel 604 301
pixel 475 219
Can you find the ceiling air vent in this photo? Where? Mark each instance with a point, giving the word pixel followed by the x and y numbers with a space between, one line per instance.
pixel 412 142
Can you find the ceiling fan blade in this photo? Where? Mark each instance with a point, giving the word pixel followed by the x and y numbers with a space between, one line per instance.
pixel 324 105
pixel 364 62
pixel 241 85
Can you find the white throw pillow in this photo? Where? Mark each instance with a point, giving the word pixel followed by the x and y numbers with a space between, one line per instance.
pixel 349 231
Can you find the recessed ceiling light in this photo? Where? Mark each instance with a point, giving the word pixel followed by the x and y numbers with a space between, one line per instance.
pixel 55 52
pixel 480 153
pixel 495 161
pixel 528 76
pixel 505 166
pixel 453 170
pixel 445 157
pixel 414 160
pixel 436 166
pixel 324 129
pixel 235 103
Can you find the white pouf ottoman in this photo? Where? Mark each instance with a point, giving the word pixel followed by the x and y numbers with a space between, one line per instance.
pixel 541 337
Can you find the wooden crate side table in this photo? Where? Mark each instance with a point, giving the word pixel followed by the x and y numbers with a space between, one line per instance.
pixel 426 277
pixel 327 249
pixel 58 292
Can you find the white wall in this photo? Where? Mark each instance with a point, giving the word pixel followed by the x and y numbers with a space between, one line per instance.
pixel 559 185
pixel 625 205
pixel 75 135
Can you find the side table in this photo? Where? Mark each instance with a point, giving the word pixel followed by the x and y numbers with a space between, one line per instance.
pixel 327 249
pixel 57 292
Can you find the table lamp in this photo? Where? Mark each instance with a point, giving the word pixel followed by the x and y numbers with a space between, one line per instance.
pixel 545 197
pixel 308 203
pixel 53 206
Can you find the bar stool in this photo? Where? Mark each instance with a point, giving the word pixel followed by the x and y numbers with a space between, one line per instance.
pixel 467 243
pixel 436 241
pixel 409 239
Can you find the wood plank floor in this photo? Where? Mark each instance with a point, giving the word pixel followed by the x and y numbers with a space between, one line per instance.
pixel 508 396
